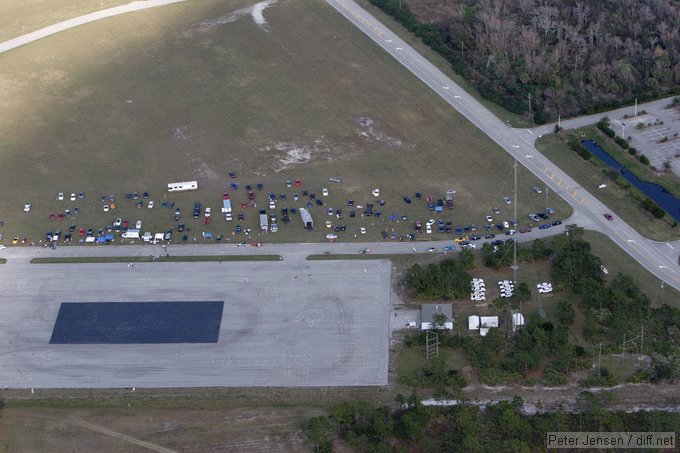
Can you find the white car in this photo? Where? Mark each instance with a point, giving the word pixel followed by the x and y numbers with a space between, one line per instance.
pixel 375 192
pixel 324 192
pixel 27 207
pixel 331 236
pixel 506 224
pixel 138 225
pixel 537 189
pixel 489 219
pixel 106 208
pixel 450 191
pixel 73 197
pixel 228 217
pixel 117 222
pixel 507 200
pixel 208 212
pixel 362 230
pixel 432 249
pixel 430 222
pixel 428 229
pixel 60 197
pixel 272 205
pixel 3 247
pixel 150 205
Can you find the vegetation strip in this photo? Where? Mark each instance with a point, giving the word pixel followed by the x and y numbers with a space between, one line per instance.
pixel 149 259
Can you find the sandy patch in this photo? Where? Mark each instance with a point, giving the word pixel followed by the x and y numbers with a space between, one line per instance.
pixel 370 130
pixel 256 11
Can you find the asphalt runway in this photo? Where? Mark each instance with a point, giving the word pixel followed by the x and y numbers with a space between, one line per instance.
pixel 305 323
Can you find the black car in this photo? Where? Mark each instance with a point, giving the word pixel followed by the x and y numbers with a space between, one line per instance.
pixel 249 187
pixel 260 186
pixel 407 200
pixel 497 242
pixel 350 202
pixel 197 210
pixel 145 195
pixel 352 214
pixel 557 222
pixel 177 213
pixel 490 236
pixel 319 202
pixel 499 226
pixel 418 196
pixel 293 211
pixel 180 227
pixel 128 196
pixel 232 174
pixel 440 202
pixel 384 234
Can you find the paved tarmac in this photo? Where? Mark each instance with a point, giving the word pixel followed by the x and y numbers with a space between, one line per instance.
pixel 321 323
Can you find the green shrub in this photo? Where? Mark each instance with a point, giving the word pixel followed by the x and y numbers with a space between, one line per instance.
pixel 632 151
pixel 643 159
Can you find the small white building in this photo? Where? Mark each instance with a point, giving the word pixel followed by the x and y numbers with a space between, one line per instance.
pixel 487 322
pixel 473 322
pixel 517 321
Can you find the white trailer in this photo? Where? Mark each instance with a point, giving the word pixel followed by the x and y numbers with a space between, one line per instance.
pixel 226 206
pixel 182 186
pixel 264 222
pixel 131 234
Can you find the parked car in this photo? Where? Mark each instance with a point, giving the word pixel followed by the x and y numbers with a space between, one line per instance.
pixel 537 189
pixel 608 217
pixel 27 207
pixel 507 200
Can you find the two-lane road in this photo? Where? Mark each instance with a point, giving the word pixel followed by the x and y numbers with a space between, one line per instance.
pixel 660 259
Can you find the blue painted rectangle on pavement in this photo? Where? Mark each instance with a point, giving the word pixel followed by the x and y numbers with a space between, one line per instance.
pixel 137 322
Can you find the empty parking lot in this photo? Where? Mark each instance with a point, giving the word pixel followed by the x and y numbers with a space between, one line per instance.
pixel 319 323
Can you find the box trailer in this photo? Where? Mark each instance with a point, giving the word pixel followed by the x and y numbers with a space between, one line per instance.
pixel 226 206
pixel 264 222
pixel 306 219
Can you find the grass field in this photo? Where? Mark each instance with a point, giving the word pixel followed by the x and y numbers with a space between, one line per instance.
pixel 24 16
pixel 243 420
pixel 180 93
pixel 589 175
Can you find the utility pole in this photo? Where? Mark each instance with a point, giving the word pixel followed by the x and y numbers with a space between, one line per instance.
pixel 514 248
pixel 559 122
pixel 635 107
pixel 599 358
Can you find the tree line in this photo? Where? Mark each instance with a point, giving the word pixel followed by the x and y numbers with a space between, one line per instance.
pixel 571 56
pixel 498 427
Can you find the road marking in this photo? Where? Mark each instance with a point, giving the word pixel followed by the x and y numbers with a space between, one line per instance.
pixel 669 245
pixel 515 146
pixel 388 40
pixel 631 241
pixel 530 132
pixel 446 88
pixel 529 156
pixel 457 97
pixel 661 266
pixel 398 48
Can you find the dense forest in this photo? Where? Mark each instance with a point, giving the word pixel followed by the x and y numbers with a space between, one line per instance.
pixel 570 56
pixel 499 427
pixel 543 351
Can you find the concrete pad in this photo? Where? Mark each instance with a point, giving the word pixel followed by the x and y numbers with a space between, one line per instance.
pixel 316 323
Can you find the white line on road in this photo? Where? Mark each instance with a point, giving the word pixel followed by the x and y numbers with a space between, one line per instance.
pixel 669 245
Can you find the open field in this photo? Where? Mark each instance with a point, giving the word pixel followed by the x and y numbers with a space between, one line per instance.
pixel 24 16
pixel 589 175
pixel 187 92
pixel 243 420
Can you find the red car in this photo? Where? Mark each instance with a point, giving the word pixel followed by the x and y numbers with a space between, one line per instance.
pixel 125 223
pixel 297 183
pixel 81 232
pixel 244 205
pixel 256 244
pixel 251 195
pixel 608 217
pixel 225 196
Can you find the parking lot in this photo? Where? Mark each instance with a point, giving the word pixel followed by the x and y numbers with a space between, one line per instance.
pixel 284 323
pixel 654 133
